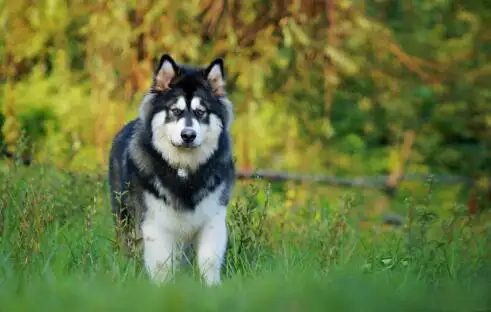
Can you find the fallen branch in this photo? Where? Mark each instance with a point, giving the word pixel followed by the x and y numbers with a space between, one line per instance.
pixel 379 182
pixel 361 182
pixel 375 182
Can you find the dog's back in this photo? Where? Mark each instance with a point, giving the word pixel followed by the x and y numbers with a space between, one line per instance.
pixel 119 182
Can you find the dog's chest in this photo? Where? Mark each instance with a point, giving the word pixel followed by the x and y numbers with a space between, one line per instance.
pixel 183 223
pixel 186 190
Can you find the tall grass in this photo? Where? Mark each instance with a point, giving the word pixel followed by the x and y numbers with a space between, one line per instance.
pixel 58 252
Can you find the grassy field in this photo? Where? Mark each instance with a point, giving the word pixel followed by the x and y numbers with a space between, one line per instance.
pixel 57 252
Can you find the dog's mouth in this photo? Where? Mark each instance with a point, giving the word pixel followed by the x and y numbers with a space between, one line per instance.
pixel 186 146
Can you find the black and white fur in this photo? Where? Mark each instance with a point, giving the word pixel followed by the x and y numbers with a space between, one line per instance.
pixel 171 170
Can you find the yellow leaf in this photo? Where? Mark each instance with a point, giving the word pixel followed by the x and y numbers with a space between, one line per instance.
pixel 302 37
pixel 340 59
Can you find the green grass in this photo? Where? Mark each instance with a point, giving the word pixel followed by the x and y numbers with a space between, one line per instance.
pixel 57 252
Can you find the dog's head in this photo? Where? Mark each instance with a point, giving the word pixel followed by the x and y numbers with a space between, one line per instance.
pixel 186 111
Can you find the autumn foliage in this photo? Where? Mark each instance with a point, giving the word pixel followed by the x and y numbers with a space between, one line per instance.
pixel 343 87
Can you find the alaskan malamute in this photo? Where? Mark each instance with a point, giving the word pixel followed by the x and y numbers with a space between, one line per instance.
pixel 171 170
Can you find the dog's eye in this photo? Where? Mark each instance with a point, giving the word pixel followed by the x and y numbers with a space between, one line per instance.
pixel 176 111
pixel 199 113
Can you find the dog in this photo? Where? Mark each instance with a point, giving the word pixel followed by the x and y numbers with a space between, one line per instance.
pixel 171 171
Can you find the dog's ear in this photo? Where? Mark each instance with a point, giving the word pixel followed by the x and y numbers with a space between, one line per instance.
pixel 165 72
pixel 215 75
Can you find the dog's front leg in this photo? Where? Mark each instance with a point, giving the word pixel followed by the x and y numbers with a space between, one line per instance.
pixel 160 253
pixel 212 243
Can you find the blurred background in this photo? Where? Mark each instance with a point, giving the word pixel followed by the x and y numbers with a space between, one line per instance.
pixel 349 88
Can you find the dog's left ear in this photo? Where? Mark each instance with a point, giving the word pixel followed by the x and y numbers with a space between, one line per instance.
pixel 215 75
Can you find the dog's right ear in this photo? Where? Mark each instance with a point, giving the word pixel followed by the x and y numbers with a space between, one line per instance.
pixel 166 71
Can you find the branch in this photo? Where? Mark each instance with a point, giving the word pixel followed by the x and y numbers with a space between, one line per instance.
pixel 377 182
pixel 361 182
pixel 263 19
pixel 275 176
pixel 411 65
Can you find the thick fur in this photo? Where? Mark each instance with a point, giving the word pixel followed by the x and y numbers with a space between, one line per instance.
pixel 170 192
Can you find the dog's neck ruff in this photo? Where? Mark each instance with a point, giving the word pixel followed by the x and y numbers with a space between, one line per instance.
pixel 184 161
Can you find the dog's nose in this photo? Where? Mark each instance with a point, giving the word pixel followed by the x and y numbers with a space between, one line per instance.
pixel 188 135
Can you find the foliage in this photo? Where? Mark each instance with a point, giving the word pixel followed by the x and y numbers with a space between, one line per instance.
pixel 347 79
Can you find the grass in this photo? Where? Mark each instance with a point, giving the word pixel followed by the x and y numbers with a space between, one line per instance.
pixel 57 252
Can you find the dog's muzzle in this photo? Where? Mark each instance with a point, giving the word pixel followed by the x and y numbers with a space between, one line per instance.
pixel 188 135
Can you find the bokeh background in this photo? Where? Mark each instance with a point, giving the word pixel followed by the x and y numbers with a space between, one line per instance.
pixel 367 122
pixel 348 88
